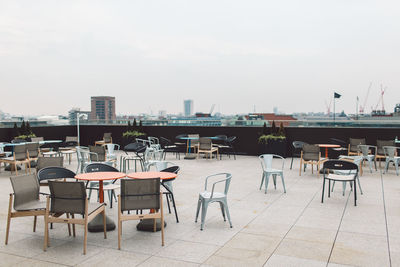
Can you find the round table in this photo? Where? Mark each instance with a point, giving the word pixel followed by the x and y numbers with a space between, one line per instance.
pixel 97 224
pixel 147 225
pixel 326 146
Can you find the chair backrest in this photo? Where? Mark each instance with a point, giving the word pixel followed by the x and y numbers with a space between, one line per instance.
pixel 37 139
pixel 342 166
pixel 298 144
pixel 111 148
pixel 230 140
pixel 195 139
pixel 137 194
pixel 174 169
pixel 100 151
pixel 53 173
pixel 227 180
pixel 33 149
pixel 153 140
pixel 107 138
pixel 164 142
pixel 81 153
pixel 205 143
pixel 221 137
pixel 355 142
pixel 26 189
pixel 20 152
pixel 135 147
pixel 266 161
pixel 381 143
pixel 67 197
pixel 44 162
pixel 99 167
pixel 310 152
pixel 364 149
pixel 179 136
pixel 71 139
pixel 390 151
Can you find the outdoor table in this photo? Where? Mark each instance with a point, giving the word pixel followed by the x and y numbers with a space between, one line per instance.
pixel 190 155
pixel 326 146
pixel 148 224
pixel 97 223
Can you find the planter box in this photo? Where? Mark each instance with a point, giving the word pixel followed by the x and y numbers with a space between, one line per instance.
pixel 277 147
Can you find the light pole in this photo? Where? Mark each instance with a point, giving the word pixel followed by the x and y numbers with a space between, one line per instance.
pixel 78 116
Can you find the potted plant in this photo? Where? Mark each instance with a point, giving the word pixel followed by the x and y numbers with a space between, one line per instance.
pixel 24 133
pixel 273 142
pixel 132 132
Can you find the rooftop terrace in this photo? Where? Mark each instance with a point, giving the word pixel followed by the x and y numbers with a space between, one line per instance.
pixel 273 229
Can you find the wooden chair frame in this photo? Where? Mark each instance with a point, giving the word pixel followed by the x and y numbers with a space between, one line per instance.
pixel 15 214
pixel 126 217
pixel 15 162
pixel 48 218
pixel 312 162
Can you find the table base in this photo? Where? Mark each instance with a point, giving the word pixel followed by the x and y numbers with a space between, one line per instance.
pixel 96 225
pixel 190 156
pixel 11 168
pixel 147 225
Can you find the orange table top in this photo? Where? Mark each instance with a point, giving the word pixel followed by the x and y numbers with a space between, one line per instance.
pixel 100 176
pixel 328 145
pixel 147 175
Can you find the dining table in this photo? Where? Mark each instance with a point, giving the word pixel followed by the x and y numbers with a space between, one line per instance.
pixel 97 224
pixel 327 146
pixel 148 224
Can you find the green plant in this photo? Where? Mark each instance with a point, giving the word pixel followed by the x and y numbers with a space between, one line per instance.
pixel 134 133
pixel 265 138
pixel 25 136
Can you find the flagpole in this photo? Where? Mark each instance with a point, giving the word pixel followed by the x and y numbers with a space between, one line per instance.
pixel 334 109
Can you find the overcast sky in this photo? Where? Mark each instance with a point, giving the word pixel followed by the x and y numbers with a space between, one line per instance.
pixel 151 55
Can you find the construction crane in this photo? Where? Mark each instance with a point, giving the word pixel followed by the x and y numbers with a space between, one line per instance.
pixel 380 101
pixel 212 109
pixel 328 107
pixel 362 108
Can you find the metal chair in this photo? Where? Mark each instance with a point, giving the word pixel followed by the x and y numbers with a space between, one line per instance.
pixel 228 147
pixel 391 156
pixel 342 171
pixel 207 197
pixel 53 173
pixel 111 151
pixel 168 146
pixel 380 153
pixel 138 149
pixel 70 198
pixel 108 186
pixel 84 157
pixel 268 169
pixel 25 200
pixel 297 145
pixel 137 194
pixel 365 151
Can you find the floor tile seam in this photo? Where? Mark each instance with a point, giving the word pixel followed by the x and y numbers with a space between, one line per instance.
pixel 12 254
pixel 33 257
pixel 294 223
pixel 358 233
pixel 386 219
pixel 185 261
pixel 338 229
pixel 268 206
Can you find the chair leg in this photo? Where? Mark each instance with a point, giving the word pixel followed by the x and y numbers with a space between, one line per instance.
pixel 104 223
pixel 291 163
pixel 323 190
pixel 69 226
pixel 73 226
pixel 9 218
pixel 355 193
pixel 266 181
pixel 227 213
pixel 359 184
pixel 283 183
pixel 274 180
pixel 222 210
pixel 85 238
pixel 262 180
pixel 203 213
pixel 329 188
pixel 34 223
pixel 173 203
pixel 199 203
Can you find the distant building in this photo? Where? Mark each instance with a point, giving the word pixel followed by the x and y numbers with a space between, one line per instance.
pixel 270 117
pixel 103 108
pixel 187 108
pixel 73 112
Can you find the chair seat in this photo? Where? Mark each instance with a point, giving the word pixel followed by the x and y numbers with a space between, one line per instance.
pixel 50 153
pixel 92 207
pixel 69 151
pixel 338 177
pixel 32 205
pixel 274 171
pixel 207 194
pixel 111 187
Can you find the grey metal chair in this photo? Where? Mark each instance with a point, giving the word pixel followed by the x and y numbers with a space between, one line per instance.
pixel 391 156
pixel 297 146
pixel 25 200
pixel 54 173
pixel 140 194
pixel 380 155
pixel 339 170
pixel 366 154
pixel 206 197
pixel 356 160
pixel 268 170
pixel 108 186
pixel 70 198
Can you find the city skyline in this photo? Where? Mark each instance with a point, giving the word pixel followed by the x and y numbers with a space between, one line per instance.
pixel 236 55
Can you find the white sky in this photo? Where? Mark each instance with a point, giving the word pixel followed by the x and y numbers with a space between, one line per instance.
pixel 151 55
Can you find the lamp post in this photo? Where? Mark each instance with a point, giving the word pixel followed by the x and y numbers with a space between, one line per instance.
pixel 78 116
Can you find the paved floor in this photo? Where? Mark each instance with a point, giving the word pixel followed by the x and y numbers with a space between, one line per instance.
pixel 273 229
